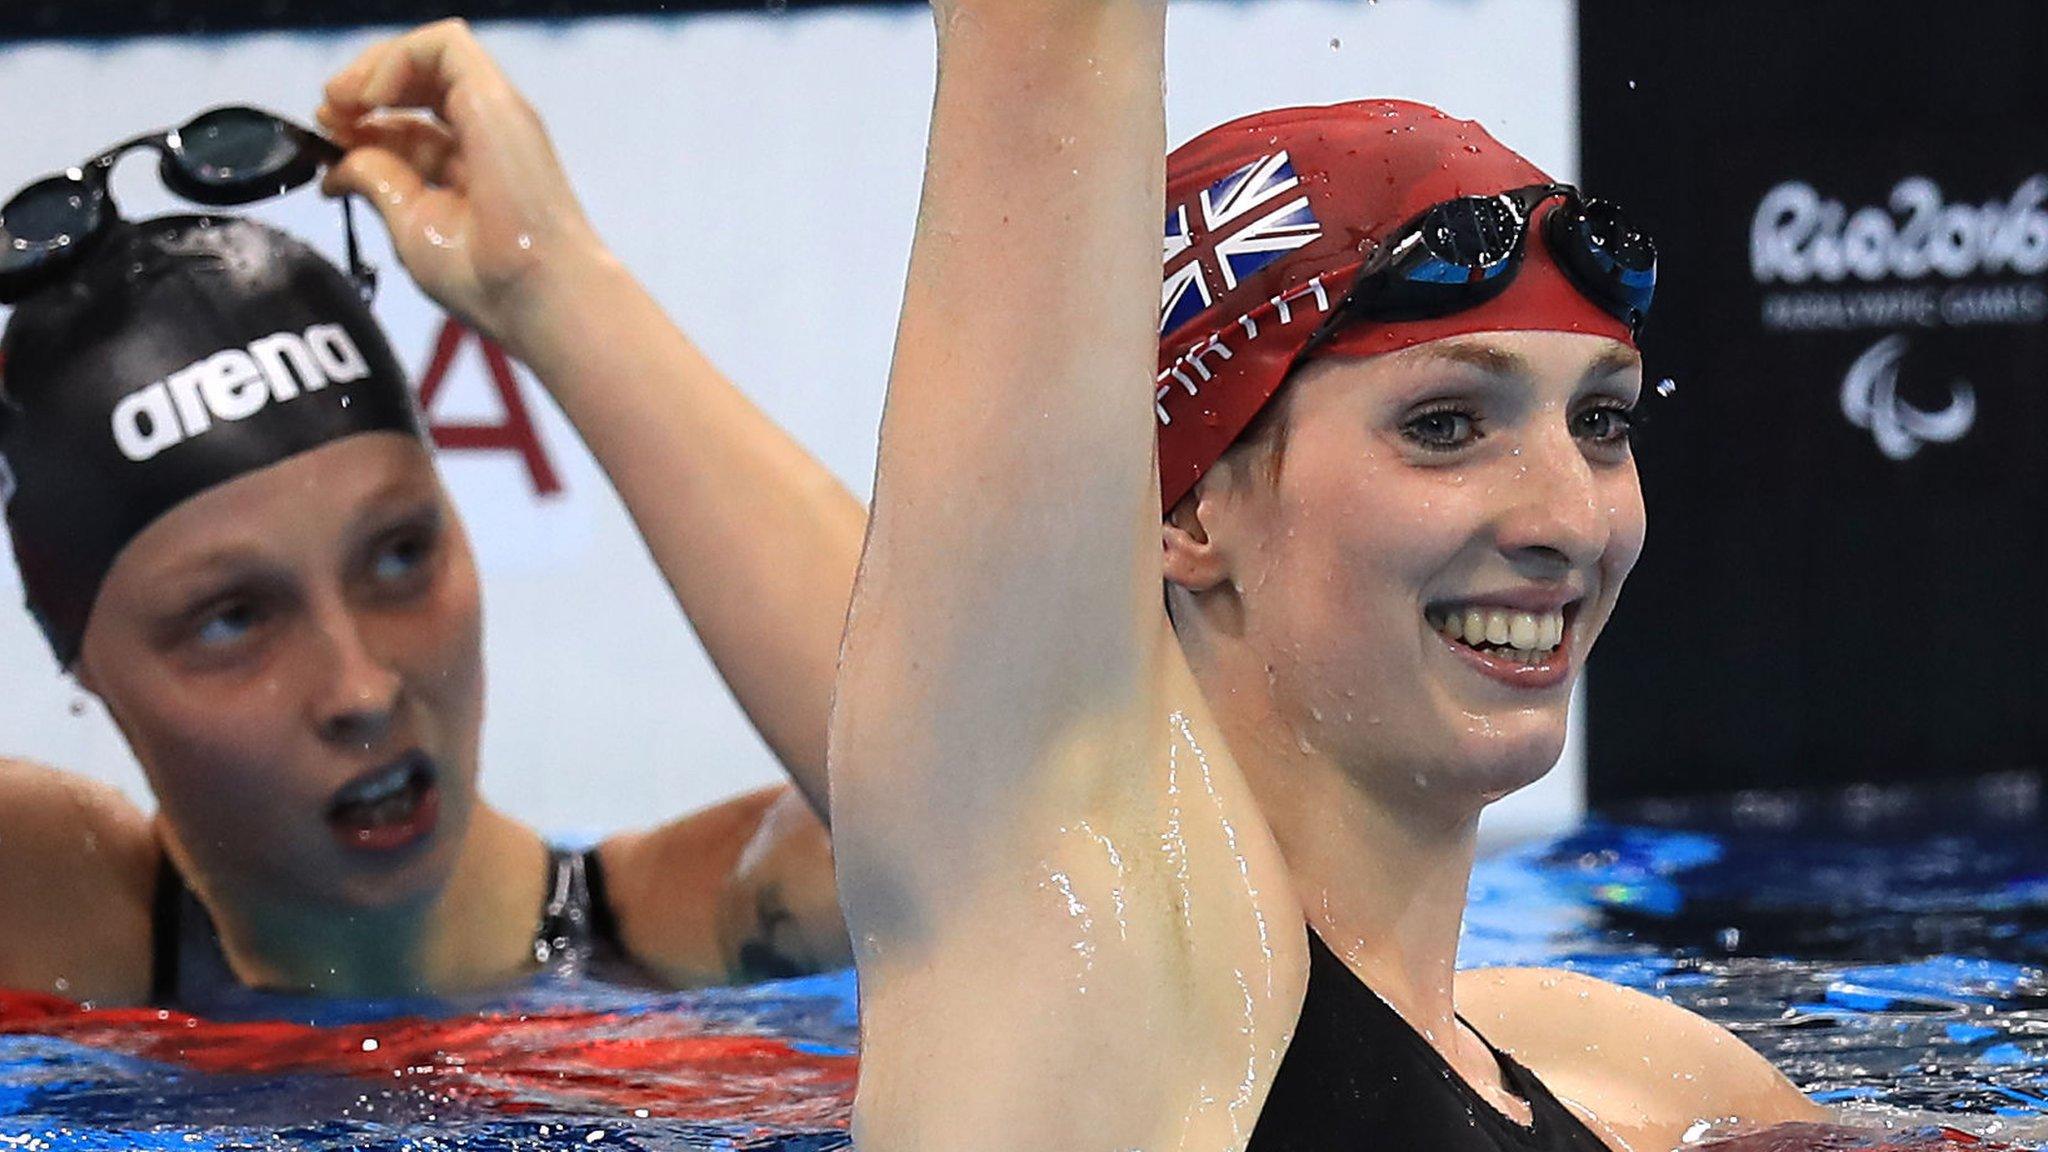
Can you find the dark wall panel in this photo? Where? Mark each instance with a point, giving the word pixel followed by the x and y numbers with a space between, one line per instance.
pixel 1848 553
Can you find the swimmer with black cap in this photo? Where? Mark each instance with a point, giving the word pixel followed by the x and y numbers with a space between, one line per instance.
pixel 1192 875
pixel 231 531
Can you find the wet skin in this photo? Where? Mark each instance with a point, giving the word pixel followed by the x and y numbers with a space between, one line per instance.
pixel 1491 470
pixel 268 641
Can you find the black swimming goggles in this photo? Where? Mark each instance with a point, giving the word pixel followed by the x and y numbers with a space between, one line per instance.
pixel 223 156
pixel 1463 252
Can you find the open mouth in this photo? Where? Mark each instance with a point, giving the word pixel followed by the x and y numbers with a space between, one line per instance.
pixel 1515 646
pixel 388 808
pixel 1517 637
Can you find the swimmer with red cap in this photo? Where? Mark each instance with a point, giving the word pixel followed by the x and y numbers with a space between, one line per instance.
pixel 1192 875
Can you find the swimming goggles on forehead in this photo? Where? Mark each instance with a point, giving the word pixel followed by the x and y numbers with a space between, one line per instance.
pixel 223 156
pixel 1461 253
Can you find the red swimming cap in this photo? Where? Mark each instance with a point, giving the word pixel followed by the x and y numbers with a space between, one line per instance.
pixel 1268 220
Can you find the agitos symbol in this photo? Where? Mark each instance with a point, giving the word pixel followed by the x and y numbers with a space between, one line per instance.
pixel 513 433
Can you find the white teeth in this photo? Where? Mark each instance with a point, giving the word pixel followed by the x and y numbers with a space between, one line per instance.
pixel 1497 627
pixel 1522 631
pixel 383 786
pixel 1522 637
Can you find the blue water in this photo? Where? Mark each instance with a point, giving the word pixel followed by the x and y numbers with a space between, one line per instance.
pixel 1888 968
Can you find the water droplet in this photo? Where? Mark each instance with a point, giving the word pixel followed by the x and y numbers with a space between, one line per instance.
pixel 1667 386
pixel 1631 85
pixel 1335 43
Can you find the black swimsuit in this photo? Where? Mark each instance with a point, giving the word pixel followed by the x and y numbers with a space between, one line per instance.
pixel 1357 1076
pixel 577 936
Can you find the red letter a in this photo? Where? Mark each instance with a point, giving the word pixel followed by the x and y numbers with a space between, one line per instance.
pixel 515 433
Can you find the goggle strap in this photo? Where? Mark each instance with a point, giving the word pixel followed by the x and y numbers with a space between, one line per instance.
pixel 364 275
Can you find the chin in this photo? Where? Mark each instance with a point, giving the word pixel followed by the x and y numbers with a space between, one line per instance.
pixel 1499 755
pixel 417 882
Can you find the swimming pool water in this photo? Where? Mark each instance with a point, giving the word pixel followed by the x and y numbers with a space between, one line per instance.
pixel 1884 959
pixel 1882 947
pixel 764 1068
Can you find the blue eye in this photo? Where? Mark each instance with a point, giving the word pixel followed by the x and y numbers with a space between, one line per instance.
pixel 1605 424
pixel 1442 430
pixel 225 625
pixel 398 561
pixel 403 558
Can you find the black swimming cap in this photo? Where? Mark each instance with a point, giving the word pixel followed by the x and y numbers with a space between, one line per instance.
pixel 184 351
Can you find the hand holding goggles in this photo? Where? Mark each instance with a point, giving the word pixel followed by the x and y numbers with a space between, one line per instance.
pixel 224 156
pixel 1463 252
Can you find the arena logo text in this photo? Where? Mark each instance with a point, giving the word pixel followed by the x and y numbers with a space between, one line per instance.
pixel 234 384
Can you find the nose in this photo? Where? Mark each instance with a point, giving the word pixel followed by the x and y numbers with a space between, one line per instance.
pixel 1552 521
pixel 358 694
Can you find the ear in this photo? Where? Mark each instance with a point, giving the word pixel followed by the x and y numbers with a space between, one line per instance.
pixel 1194 558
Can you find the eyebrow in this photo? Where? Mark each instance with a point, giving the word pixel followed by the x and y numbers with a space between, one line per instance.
pixel 1613 360
pixel 215 561
pixel 200 574
pixel 1488 358
pixel 1497 361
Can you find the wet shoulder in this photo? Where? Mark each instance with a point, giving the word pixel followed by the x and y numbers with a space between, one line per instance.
pixel 1640 1069
pixel 78 865
pixel 742 890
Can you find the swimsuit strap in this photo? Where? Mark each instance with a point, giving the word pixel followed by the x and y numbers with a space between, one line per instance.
pixel 1357 1075
pixel 578 928
pixel 165 907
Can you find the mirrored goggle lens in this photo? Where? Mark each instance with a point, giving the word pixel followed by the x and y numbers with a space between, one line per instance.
pixel 231 146
pixel 1617 254
pixel 1478 233
pixel 49 214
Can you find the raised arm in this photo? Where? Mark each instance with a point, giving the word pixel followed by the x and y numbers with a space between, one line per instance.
pixel 757 539
pixel 1060 944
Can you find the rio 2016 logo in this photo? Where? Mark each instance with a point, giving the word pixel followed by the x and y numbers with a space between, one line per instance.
pixel 1798 235
pixel 1918 260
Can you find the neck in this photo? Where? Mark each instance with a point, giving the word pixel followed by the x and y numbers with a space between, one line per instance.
pixel 475 931
pixel 1382 870
pixel 1384 885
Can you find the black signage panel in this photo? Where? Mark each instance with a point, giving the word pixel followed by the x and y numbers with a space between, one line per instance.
pixel 1848 487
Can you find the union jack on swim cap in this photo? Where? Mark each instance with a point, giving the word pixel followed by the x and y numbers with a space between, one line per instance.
pixel 1268 220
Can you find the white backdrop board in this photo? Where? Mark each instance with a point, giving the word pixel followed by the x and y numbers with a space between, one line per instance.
pixel 760 173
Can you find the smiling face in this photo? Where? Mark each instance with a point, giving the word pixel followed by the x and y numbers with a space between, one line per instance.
pixel 1411 585
pixel 295 658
